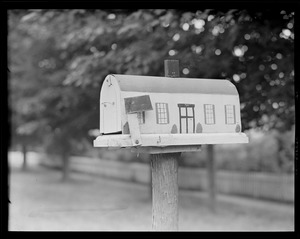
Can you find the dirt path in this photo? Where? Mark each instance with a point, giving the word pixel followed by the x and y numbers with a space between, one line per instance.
pixel 39 201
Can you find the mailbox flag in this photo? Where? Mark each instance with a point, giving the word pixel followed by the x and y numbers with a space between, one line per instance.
pixel 137 104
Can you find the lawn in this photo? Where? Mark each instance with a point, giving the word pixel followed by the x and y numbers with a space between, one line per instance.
pixel 40 201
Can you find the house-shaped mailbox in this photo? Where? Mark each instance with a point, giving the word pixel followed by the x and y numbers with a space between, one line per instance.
pixel 146 111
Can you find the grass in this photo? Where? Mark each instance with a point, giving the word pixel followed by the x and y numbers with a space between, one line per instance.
pixel 39 201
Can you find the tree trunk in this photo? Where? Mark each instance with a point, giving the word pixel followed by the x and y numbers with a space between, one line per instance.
pixel 211 172
pixel 66 166
pixel 280 148
pixel 165 191
pixel 150 181
pixel 24 151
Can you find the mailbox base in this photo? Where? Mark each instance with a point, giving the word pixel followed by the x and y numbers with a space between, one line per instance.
pixel 168 143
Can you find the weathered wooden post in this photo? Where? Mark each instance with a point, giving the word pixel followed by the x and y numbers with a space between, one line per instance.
pixel 163 117
pixel 164 169
pixel 165 191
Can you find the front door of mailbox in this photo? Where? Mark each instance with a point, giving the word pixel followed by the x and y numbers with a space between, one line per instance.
pixel 110 114
pixel 186 118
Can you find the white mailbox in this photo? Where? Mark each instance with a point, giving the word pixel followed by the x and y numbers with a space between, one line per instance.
pixel 146 111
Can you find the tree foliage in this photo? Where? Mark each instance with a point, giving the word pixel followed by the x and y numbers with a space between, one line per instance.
pixel 59 59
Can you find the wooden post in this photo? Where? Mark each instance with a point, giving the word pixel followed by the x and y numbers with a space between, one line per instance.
pixel 211 176
pixel 164 169
pixel 165 191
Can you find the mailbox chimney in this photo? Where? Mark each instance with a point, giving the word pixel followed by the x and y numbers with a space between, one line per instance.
pixel 172 68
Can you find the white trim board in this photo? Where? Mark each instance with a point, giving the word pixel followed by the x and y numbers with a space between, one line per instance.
pixel 164 140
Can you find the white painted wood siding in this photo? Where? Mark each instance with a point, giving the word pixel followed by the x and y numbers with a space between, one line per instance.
pixel 219 101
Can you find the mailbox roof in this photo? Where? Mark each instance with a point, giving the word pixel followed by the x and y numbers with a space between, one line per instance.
pixel 156 84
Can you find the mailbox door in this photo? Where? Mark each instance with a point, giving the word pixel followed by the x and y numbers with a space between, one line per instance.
pixel 109 108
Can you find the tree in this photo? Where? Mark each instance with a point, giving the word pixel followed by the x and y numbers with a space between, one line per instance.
pixel 26 129
pixel 71 52
pixel 252 49
pixel 40 101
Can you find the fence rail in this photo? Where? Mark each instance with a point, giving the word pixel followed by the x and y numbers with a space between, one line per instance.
pixel 250 184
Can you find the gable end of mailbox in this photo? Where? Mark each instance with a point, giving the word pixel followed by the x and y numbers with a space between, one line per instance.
pixel 110 106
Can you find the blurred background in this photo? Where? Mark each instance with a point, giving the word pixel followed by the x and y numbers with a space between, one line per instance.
pixel 58 60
